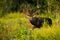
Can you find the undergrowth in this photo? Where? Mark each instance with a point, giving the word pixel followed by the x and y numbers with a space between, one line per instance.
pixel 16 26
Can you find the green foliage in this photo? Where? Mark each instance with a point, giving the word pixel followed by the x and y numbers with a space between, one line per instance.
pixel 46 6
pixel 12 27
pixel 46 33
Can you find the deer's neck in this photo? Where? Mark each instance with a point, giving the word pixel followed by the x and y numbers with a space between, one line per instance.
pixel 30 18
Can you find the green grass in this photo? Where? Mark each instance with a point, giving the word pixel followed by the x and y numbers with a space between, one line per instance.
pixel 16 26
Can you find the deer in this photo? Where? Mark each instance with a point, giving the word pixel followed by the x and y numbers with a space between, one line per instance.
pixel 37 22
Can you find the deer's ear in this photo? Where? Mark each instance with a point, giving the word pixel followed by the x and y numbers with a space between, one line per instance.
pixel 34 16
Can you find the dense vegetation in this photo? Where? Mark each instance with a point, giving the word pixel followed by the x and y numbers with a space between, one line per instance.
pixel 14 25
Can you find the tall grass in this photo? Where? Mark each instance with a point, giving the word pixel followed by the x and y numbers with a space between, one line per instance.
pixel 16 26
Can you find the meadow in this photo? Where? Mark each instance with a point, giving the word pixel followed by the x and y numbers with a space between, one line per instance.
pixel 16 26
